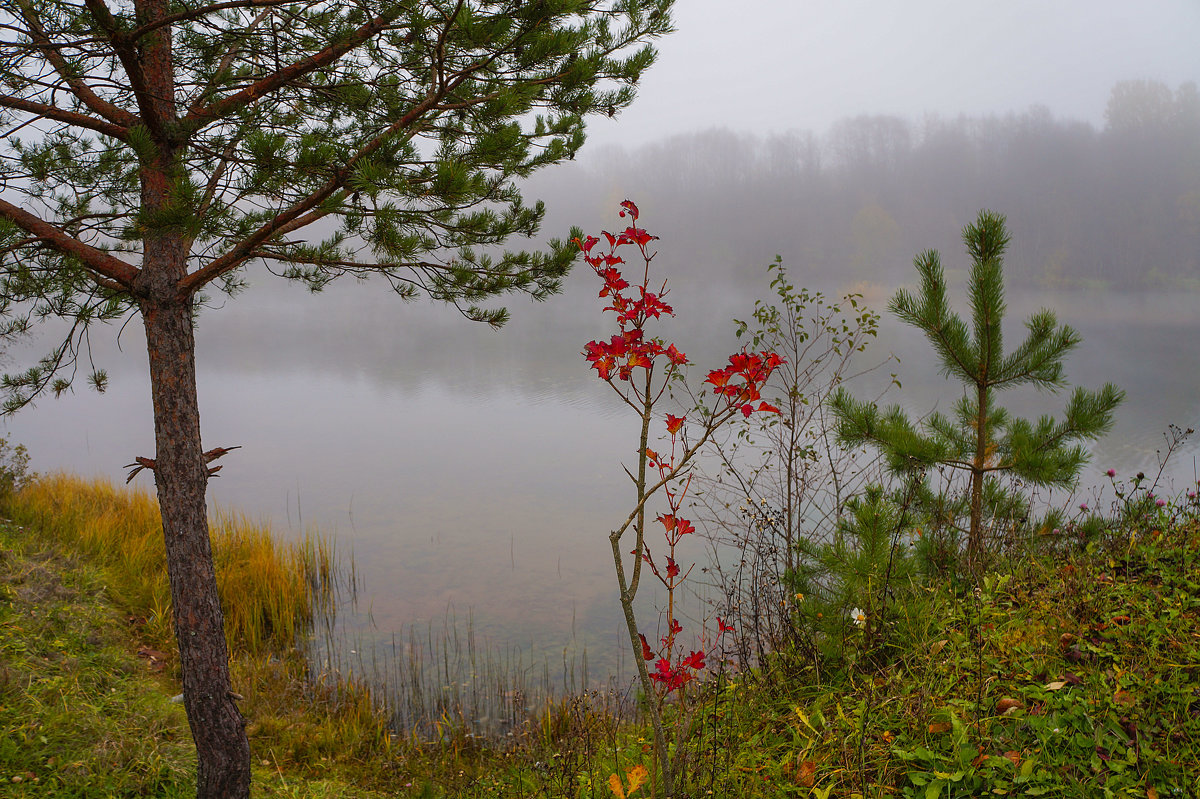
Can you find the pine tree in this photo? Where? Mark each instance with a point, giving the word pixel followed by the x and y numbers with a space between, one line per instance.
pixel 981 439
pixel 154 149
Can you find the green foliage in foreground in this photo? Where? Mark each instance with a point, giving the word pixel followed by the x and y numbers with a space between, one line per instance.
pixel 78 715
pixel 1070 674
pixel 83 709
pixel 982 440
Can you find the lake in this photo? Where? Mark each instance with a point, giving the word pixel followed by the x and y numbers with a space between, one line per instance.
pixel 476 473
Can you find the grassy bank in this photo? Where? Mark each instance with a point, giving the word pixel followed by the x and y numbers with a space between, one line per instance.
pixel 1072 673
pixel 268 589
pixel 89 664
pixel 80 714
pixel 1068 675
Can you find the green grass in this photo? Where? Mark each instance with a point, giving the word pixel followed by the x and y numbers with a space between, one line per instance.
pixel 1095 656
pixel 87 661
pixel 1071 672
pixel 80 713
pixel 268 588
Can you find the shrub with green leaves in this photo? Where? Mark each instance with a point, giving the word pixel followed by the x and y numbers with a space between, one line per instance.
pixel 14 468
pixel 778 481
pixel 843 586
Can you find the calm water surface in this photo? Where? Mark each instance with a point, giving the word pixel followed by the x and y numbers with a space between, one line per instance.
pixel 476 472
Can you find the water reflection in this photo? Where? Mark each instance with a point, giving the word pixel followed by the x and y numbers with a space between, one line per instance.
pixel 479 471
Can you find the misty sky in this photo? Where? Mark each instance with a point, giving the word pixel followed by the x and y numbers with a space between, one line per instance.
pixel 768 66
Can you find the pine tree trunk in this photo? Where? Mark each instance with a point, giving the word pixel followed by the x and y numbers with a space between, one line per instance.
pixel 180 474
pixel 218 729
pixel 975 538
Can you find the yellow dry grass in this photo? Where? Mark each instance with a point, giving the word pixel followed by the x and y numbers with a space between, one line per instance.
pixel 268 588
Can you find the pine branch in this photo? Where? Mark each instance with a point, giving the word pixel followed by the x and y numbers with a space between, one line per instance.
pixel 50 51
pixel 289 219
pixel 131 61
pixel 68 117
pixel 196 13
pixel 200 115
pixel 114 269
pixel 227 59
pixel 944 329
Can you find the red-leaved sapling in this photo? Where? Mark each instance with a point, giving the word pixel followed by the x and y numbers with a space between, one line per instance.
pixel 641 369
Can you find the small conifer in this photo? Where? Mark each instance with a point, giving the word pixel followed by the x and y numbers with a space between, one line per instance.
pixel 981 439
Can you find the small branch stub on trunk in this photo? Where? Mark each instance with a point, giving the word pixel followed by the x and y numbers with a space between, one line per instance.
pixel 211 455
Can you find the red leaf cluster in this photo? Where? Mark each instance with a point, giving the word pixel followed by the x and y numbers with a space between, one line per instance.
pixel 675 526
pixel 739 385
pixel 675 676
pixel 629 349
pixel 741 381
pixel 624 352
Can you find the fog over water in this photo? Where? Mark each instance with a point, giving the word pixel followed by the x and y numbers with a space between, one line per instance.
pixel 479 471
pixel 474 471
pixel 772 67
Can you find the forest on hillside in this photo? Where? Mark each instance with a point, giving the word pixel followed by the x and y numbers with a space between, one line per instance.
pixel 1116 207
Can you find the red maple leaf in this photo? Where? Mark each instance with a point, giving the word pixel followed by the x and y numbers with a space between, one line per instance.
pixel 647 654
pixel 676 527
pixel 672 677
pixel 718 377
pixel 639 236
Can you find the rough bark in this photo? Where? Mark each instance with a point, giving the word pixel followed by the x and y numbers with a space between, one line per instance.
pixel 218 729
pixel 223 752
pixel 180 474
